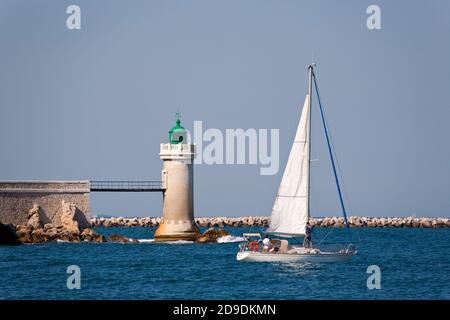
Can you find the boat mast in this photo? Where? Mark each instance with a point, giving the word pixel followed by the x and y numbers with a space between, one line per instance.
pixel 338 187
pixel 310 75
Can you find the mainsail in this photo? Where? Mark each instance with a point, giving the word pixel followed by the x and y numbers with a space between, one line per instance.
pixel 290 211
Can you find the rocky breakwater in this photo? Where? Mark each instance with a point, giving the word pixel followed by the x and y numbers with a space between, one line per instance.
pixel 371 222
pixel 263 221
pixel 208 222
pixel 8 235
pixel 211 235
pixel 50 233
pixel 125 222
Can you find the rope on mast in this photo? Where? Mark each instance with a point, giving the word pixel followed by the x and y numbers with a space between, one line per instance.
pixel 332 159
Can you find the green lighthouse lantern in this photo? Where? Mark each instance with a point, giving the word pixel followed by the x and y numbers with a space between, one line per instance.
pixel 177 134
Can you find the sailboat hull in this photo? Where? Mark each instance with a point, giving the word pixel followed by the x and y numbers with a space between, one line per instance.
pixel 323 257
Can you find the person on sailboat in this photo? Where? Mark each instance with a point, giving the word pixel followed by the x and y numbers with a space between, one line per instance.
pixel 266 244
pixel 307 243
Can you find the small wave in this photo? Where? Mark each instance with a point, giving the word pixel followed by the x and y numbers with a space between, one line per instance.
pixel 165 242
pixel 62 241
pixel 229 239
pixel 146 240
pixel 179 242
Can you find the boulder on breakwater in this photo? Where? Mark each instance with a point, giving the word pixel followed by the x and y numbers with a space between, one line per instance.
pixel 8 235
pixel 121 239
pixel 211 235
pixel 263 221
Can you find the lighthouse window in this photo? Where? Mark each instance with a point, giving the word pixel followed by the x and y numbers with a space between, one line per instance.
pixel 177 137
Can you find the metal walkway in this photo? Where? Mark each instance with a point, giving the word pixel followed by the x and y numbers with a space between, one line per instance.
pixel 127 186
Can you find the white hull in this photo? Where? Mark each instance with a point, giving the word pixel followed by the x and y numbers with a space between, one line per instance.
pixel 252 256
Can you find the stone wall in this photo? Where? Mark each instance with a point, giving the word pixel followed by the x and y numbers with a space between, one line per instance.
pixel 17 198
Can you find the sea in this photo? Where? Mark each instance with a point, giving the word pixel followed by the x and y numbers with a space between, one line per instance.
pixel 412 264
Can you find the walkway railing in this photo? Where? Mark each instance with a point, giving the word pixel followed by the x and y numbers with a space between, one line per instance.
pixel 127 186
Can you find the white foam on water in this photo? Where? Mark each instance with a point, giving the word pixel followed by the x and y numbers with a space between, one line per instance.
pixel 146 240
pixel 224 239
pixel 62 241
pixel 229 239
pixel 165 242
pixel 179 242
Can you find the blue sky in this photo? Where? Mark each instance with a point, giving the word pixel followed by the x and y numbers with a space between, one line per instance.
pixel 95 103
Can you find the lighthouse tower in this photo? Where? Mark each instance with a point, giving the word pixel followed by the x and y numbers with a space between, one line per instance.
pixel 177 222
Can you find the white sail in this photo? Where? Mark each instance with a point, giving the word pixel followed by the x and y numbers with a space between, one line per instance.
pixel 290 211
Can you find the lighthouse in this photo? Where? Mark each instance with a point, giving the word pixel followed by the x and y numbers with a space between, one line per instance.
pixel 177 222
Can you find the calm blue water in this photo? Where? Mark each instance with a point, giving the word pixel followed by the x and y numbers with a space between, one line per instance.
pixel 415 264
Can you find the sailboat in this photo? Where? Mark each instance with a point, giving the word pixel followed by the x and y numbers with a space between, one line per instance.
pixel 291 210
